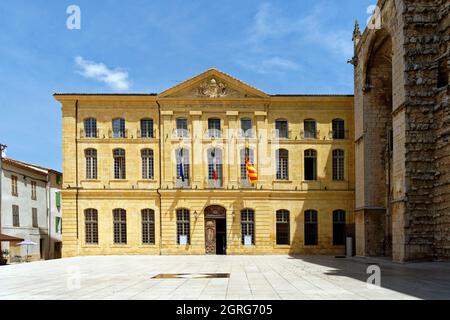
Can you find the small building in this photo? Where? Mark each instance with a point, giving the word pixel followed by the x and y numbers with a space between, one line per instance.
pixel 30 210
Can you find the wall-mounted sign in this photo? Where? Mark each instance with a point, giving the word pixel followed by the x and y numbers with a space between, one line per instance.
pixel 183 240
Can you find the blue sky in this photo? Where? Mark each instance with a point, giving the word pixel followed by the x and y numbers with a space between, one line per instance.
pixel 149 46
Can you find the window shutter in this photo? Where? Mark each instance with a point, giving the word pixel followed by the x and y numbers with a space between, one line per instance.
pixel 58 200
pixel 58 179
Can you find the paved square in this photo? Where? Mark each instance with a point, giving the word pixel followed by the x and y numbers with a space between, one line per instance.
pixel 251 277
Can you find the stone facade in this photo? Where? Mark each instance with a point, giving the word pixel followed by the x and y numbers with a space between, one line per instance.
pixel 402 130
pixel 212 94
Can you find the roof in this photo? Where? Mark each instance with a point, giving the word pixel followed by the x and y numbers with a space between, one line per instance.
pixel 211 71
pixel 37 168
pixel 5 237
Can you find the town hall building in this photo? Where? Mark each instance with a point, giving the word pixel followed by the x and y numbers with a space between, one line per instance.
pixel 166 173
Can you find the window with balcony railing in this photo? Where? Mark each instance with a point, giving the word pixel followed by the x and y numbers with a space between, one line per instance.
pixel 146 130
pixel 118 128
pixel 338 126
pixel 310 129
pixel 90 128
pixel 181 130
pixel 214 129
pixel 246 128
pixel 281 129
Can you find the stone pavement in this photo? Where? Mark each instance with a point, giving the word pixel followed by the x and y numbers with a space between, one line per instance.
pixel 251 277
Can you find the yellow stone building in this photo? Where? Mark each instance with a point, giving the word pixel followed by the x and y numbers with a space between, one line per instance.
pixel 165 173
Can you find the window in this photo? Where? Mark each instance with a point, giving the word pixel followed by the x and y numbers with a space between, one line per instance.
pixel 248 225
pixel 118 128
pixel 282 217
pixel 338 227
pixel 14 191
pixel 282 164
pixel 15 216
pixel 58 224
pixel 183 225
pixel 146 128
pixel 34 217
pixel 310 129
pixel 148 226
pixel 215 174
pixel 90 128
pixel 120 226
pixel 147 163
pixel 338 164
pixel 91 163
pixel 33 190
pixel 338 129
pixel 119 164
pixel 214 128
pixel 91 226
pixel 310 165
pixel 246 127
pixel 182 167
pixel 310 227
pixel 442 73
pixel 281 127
pixel 246 152
pixel 182 128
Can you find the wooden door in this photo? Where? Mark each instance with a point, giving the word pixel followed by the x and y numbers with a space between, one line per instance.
pixel 210 236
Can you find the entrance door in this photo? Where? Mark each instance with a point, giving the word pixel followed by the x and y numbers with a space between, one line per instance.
pixel 215 230
pixel 210 236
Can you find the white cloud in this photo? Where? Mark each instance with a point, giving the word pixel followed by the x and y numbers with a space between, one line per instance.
pixel 272 65
pixel 115 78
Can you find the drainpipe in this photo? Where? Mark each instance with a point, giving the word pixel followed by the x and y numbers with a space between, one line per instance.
pixel 76 169
pixel 2 148
pixel 160 176
pixel 49 214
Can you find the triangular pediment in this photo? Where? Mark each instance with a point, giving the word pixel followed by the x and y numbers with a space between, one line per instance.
pixel 213 84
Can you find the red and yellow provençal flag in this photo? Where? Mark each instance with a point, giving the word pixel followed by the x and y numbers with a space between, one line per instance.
pixel 251 172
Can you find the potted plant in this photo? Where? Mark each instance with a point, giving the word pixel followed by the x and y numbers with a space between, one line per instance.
pixel 4 257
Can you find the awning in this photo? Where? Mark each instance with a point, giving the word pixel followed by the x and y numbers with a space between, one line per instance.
pixel 4 237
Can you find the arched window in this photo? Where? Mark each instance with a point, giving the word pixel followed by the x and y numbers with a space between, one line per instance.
pixel 246 128
pixel 182 128
pixel 281 128
pixel 338 227
pixel 215 174
pixel 147 163
pixel 183 226
pixel 338 129
pixel 282 221
pixel 90 128
pixel 248 226
pixel 310 165
pixel 214 130
pixel 338 164
pixel 310 129
pixel 120 226
pixel 148 226
pixel 119 164
pixel 282 164
pixel 182 167
pixel 118 126
pixel 91 226
pixel 311 230
pixel 147 128
pixel 91 163
pixel 244 153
